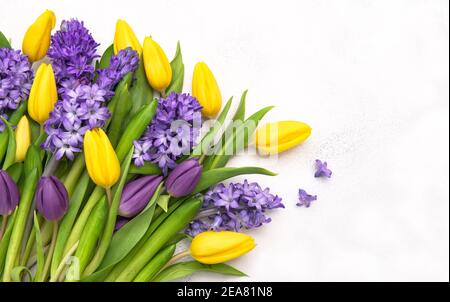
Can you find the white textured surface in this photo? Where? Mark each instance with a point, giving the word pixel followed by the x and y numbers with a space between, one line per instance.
pixel 370 77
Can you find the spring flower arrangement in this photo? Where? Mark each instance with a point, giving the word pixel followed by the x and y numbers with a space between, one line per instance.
pixel 106 165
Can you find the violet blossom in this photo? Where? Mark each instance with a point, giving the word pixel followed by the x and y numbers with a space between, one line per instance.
pixel 234 207
pixel 322 169
pixel 305 199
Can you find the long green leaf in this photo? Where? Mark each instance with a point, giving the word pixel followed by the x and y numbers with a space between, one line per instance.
pixel 141 91
pixel 184 269
pixel 5 240
pixel 16 273
pixel 147 169
pixel 177 66
pixel 212 177
pixel 121 110
pixel 40 259
pixel 15 171
pixel 106 57
pixel 4 43
pixel 10 157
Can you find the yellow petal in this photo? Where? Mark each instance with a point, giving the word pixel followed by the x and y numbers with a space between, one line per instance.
pixel 217 247
pixel 124 37
pixel 43 94
pixel 157 66
pixel 23 138
pixel 37 38
pixel 277 137
pixel 206 90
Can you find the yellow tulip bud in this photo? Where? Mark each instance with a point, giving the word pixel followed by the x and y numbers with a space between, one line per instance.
pixel 43 94
pixel 217 247
pixel 278 137
pixel 157 66
pixel 206 90
pixel 23 138
pixel 101 161
pixel 125 37
pixel 37 38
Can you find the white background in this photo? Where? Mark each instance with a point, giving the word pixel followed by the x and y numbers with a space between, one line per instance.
pixel 370 77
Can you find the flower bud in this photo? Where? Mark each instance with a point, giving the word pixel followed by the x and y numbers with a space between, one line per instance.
pixel 37 38
pixel 43 94
pixel 217 247
pixel 157 66
pixel 137 194
pixel 9 194
pixel 278 137
pixel 206 90
pixel 101 160
pixel 183 179
pixel 125 37
pixel 52 200
pixel 23 138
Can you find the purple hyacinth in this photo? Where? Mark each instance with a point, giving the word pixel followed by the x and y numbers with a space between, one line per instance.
pixel 16 76
pixel 305 199
pixel 73 51
pixel 171 134
pixel 234 207
pixel 322 169
pixel 82 103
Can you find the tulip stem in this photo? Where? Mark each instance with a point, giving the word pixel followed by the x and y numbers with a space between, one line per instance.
pixel 163 93
pixel 51 166
pixel 176 257
pixel 63 262
pixel 109 195
pixel 3 226
pixel 48 260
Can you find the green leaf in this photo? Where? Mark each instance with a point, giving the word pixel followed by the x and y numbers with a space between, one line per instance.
pixel 15 171
pixel 33 160
pixel 177 66
pixel 147 169
pixel 124 240
pixel 106 57
pixel 39 250
pixel 209 137
pixel 163 202
pixel 184 269
pixel 141 91
pixel 4 43
pixel 239 140
pixel 10 157
pixel 4 243
pixel 121 111
pixel 16 273
pixel 239 115
pixel 214 176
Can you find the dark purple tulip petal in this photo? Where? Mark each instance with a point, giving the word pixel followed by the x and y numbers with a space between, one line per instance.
pixel 183 179
pixel 9 194
pixel 120 222
pixel 137 194
pixel 52 199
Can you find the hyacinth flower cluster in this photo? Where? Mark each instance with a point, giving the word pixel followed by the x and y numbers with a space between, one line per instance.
pixel 16 76
pixel 234 207
pixel 81 105
pixel 172 133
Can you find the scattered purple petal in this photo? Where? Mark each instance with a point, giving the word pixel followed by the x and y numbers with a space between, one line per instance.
pixel 322 169
pixel 305 199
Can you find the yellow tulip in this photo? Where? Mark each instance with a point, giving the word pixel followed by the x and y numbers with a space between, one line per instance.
pixel 101 160
pixel 125 37
pixel 217 247
pixel 206 90
pixel 37 38
pixel 157 66
pixel 23 138
pixel 277 137
pixel 43 94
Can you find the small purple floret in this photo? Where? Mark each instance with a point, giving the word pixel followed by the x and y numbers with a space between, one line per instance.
pixel 305 199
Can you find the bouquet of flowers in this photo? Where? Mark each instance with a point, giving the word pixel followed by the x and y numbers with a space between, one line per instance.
pixel 106 165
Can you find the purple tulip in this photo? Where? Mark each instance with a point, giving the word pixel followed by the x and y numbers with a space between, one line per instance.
pixel 120 222
pixel 183 179
pixel 52 199
pixel 137 194
pixel 9 194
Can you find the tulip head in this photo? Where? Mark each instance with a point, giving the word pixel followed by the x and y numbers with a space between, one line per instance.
pixel 52 199
pixel 137 194
pixel 184 178
pixel 124 37
pixel 277 137
pixel 101 161
pixel 43 94
pixel 206 90
pixel 9 194
pixel 23 138
pixel 157 66
pixel 217 247
pixel 37 38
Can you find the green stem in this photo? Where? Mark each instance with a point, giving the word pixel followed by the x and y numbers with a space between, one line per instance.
pixel 48 260
pixel 177 257
pixel 109 196
pixel 3 227
pixel 27 252
pixel 61 266
pixel 74 175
